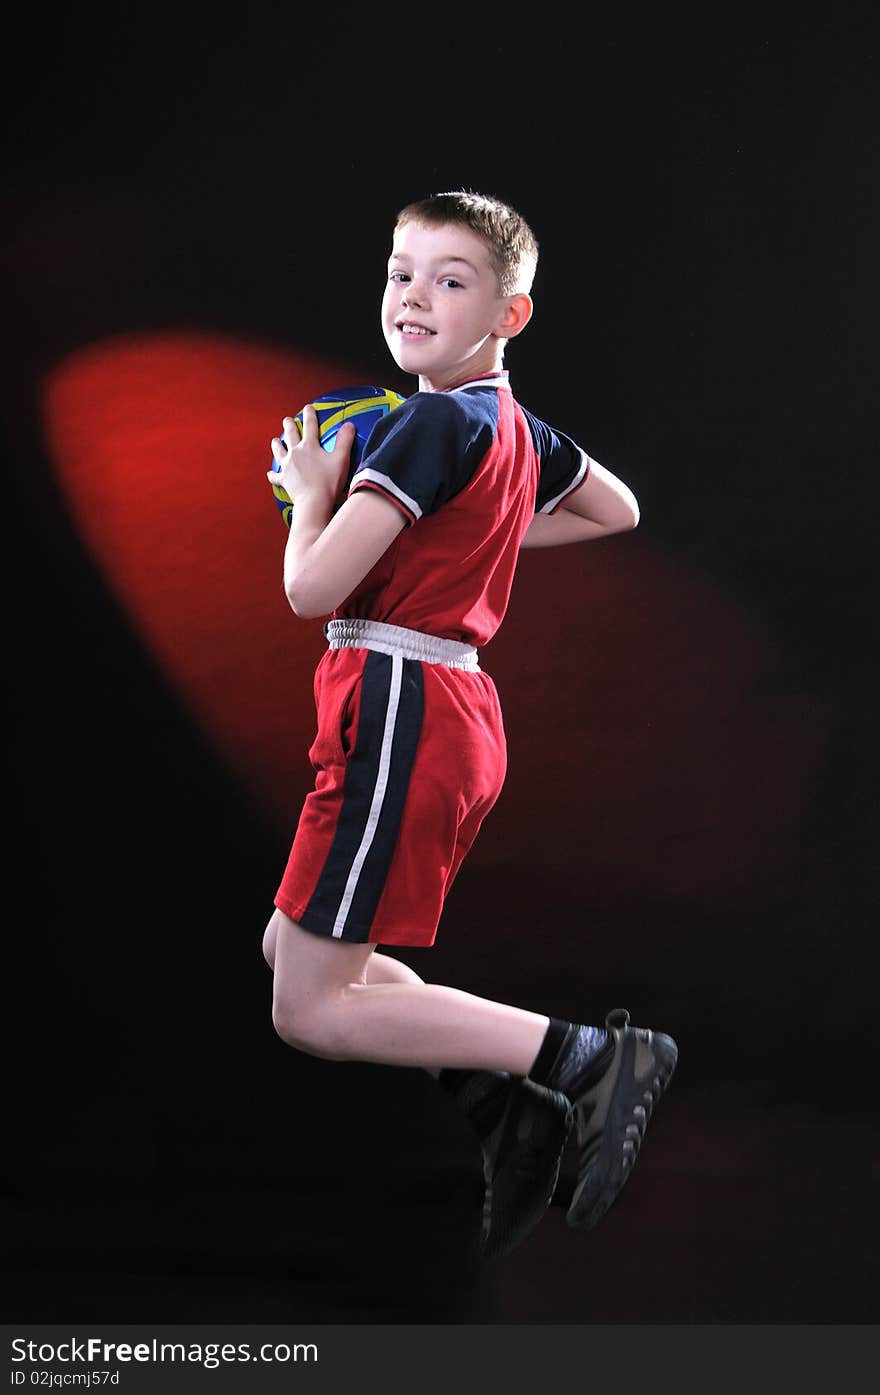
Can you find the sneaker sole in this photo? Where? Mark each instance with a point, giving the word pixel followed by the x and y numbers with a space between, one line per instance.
pixel 640 1071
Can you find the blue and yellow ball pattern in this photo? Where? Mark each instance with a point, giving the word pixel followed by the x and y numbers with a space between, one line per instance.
pixel 362 405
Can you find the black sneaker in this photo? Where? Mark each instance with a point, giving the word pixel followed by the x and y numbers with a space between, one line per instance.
pixel 612 1114
pixel 481 1095
pixel 521 1161
pixel 522 1128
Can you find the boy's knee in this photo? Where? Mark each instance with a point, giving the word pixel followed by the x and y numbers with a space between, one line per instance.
pixel 290 1026
pixel 318 1030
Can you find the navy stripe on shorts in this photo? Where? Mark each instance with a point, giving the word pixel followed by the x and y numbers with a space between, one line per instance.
pixel 352 880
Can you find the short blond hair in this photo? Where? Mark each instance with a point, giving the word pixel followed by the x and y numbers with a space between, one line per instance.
pixel 513 247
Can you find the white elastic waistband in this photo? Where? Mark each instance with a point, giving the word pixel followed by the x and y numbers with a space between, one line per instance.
pixel 395 639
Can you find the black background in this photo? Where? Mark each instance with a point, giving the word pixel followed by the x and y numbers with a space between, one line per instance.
pixel 701 181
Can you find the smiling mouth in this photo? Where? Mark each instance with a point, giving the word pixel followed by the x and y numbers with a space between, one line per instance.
pixel 415 331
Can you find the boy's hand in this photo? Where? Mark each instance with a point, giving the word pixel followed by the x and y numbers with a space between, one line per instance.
pixel 306 468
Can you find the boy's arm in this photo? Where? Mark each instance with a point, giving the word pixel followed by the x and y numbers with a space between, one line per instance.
pixel 602 505
pixel 329 550
pixel 328 554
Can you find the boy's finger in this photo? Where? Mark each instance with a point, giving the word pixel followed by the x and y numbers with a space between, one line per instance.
pixel 344 443
pixel 309 422
pixel 291 434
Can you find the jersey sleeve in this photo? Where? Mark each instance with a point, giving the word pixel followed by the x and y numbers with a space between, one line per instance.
pixel 420 455
pixel 564 466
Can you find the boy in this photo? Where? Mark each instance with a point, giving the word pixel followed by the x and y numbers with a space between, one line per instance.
pixel 415 565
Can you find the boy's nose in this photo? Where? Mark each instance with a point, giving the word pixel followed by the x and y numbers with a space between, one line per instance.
pixel 413 293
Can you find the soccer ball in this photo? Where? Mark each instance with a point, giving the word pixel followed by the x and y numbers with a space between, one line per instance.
pixel 363 406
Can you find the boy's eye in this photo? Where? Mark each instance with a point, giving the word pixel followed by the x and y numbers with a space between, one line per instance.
pixel 398 276
pixel 450 281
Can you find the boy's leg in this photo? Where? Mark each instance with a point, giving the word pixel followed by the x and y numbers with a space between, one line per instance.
pixel 323 1004
pixel 384 968
pixel 522 1127
pixel 381 968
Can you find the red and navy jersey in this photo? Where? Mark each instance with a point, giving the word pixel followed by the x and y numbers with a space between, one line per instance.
pixel 468 468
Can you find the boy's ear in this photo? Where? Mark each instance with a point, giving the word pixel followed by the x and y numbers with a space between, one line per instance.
pixel 516 316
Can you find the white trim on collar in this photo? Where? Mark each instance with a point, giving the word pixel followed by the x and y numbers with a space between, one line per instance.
pixel 497 381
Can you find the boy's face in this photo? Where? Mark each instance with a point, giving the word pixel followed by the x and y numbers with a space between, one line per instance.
pixel 442 315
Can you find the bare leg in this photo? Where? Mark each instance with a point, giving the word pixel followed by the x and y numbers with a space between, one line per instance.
pixel 384 968
pixel 326 1003
pixel 381 968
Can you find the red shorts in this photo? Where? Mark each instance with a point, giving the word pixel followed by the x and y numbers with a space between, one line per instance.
pixel 409 758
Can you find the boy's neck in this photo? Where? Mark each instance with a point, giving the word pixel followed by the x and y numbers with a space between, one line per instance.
pixel 488 362
pixel 475 372
pixel 474 377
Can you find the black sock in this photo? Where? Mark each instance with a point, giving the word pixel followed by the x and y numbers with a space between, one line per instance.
pixel 554 1040
pixel 571 1057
